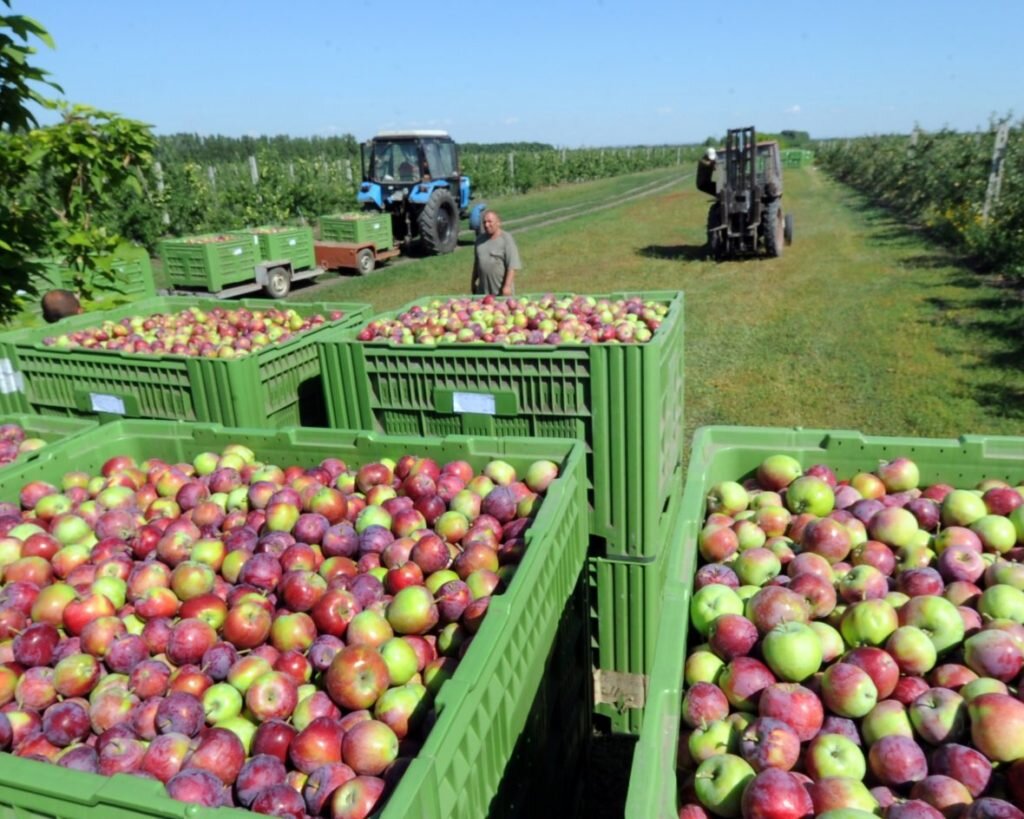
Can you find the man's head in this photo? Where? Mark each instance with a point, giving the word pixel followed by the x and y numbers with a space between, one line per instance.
pixel 710 154
pixel 60 303
pixel 491 223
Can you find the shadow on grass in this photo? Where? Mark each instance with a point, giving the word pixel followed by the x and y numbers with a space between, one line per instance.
pixel 686 253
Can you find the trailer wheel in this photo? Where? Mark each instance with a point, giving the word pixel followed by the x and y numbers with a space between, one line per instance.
pixel 279 283
pixel 787 231
pixel 365 261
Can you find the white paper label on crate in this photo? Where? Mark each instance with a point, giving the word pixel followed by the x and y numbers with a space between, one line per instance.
pixel 236 252
pixel 106 403
pixel 291 242
pixel 619 689
pixel 10 379
pixel 480 403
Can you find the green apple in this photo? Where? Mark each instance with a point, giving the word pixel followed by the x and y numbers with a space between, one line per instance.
pixel 719 783
pixel 939 619
pixel 221 701
pixel 810 494
pixel 792 651
pixel 702 665
pixel 834 755
pixel 887 718
pixel 757 566
pixel 913 650
pixel 868 623
pixel 711 602
pixel 832 645
pixel 718 737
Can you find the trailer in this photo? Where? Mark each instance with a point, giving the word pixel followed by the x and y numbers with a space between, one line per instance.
pixel 359 256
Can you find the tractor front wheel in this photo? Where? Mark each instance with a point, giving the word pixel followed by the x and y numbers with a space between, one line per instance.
pixel 439 222
pixel 716 238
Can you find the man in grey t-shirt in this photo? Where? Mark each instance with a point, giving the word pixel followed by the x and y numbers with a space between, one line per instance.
pixel 495 259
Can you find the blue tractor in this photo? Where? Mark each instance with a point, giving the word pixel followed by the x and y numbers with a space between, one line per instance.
pixel 415 176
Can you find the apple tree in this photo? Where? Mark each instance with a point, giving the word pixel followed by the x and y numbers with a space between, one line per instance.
pixel 22 84
pixel 87 158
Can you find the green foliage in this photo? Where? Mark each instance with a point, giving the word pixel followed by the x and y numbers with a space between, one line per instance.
pixel 88 160
pixel 19 79
pixel 939 180
pixel 22 233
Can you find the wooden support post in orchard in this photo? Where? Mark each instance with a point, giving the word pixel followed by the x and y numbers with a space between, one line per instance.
pixel 995 175
pixel 158 172
pixel 254 171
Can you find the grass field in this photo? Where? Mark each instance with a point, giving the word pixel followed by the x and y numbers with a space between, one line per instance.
pixel 861 324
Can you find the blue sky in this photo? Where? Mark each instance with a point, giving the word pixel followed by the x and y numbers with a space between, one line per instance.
pixel 571 72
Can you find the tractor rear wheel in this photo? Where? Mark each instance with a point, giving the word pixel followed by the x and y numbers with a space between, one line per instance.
pixel 773 229
pixel 439 222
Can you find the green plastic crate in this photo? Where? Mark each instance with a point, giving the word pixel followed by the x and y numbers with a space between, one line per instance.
pixel 12 385
pixel 211 262
pixel 135 277
pixel 512 721
pixel 294 244
pixel 275 386
pixel 796 157
pixel 625 612
pixel 132 269
pixel 50 428
pixel 734 453
pixel 358 228
pixel 624 400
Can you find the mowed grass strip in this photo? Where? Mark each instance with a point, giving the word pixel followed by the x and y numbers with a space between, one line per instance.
pixel 859 325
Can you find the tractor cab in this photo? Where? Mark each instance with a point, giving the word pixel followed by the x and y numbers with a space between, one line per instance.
pixel 414 176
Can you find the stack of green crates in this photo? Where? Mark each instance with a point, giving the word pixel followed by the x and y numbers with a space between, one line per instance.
pixel 210 262
pixel 275 386
pixel 278 244
pixel 358 228
pixel 734 453
pixel 796 157
pixel 624 400
pixel 512 722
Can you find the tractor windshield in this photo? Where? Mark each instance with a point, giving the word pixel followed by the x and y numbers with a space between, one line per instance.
pixel 441 159
pixel 396 161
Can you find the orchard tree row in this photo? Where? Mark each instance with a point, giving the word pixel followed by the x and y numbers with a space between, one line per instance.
pixel 966 188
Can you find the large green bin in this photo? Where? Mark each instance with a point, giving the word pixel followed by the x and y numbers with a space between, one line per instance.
pixel 275 386
pixel 210 262
pixel 624 400
pixel 358 228
pixel 734 453
pixel 50 428
pixel 513 721
pixel 132 276
pixel 294 244
pixel 625 612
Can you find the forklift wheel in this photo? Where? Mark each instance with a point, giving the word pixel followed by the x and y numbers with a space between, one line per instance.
pixel 365 261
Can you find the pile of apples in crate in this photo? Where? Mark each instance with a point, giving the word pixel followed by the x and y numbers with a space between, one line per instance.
pixel 245 633
pixel 14 441
pixel 543 320
pixel 861 646
pixel 217 333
